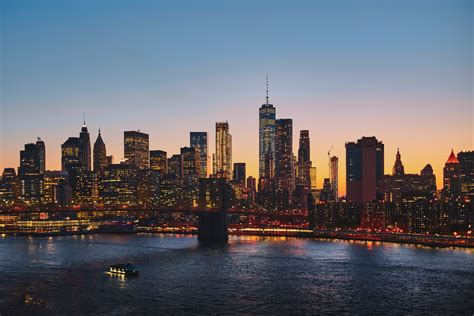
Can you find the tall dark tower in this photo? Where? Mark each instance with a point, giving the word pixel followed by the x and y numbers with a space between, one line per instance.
pixel 284 154
pixel 41 155
pixel 85 148
pixel 398 168
pixel 364 170
pixel 100 154
pixel 304 160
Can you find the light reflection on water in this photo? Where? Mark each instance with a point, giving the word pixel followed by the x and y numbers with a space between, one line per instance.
pixel 248 275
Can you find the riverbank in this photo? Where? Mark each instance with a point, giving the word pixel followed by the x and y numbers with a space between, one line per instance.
pixel 435 241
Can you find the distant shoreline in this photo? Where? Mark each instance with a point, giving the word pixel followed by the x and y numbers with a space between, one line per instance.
pixel 432 241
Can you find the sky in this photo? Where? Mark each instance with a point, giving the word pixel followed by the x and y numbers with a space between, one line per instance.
pixel 398 70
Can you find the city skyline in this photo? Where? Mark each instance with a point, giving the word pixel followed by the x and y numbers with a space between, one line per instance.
pixel 409 85
pixel 390 162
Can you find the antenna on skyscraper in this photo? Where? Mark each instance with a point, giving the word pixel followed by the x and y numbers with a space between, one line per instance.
pixel 84 123
pixel 267 90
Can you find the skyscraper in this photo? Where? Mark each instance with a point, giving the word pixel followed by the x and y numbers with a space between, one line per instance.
pixel 31 184
pixel 223 156
pixel 466 162
pixel 174 166
pixel 159 161
pixel 85 148
pixel 364 170
pixel 239 173
pixel 398 168
pixel 452 176
pixel 284 165
pixel 190 165
pixel 304 160
pixel 70 153
pixel 199 140
pixel 41 155
pixel 267 129
pixel 100 154
pixel 8 187
pixel 136 149
pixel 333 175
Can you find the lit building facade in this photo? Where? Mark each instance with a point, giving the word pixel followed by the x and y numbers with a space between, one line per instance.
pixel 118 185
pixel 57 190
pixel 199 140
pixel 70 153
pixel 159 161
pixel 284 163
pixel 137 149
pixel 304 160
pixel 267 141
pixel 30 179
pixel 223 155
pixel 9 187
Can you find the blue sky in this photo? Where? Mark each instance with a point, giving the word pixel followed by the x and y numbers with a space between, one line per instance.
pixel 399 70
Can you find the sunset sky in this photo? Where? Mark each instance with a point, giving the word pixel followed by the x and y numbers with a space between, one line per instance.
pixel 398 70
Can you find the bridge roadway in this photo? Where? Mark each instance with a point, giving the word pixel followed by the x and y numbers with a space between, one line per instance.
pixel 155 210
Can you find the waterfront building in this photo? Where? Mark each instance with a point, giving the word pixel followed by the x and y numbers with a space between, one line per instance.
pixel 100 155
pixel 118 185
pixel 9 187
pixel 30 179
pixel 223 155
pixel 148 187
pixel 364 170
pixel 170 190
pixel 57 190
pixel 199 140
pixel 86 188
pixel 136 149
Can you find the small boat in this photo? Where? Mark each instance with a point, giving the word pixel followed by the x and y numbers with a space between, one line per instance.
pixel 123 269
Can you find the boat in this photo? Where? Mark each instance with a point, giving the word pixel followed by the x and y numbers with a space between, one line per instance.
pixel 127 269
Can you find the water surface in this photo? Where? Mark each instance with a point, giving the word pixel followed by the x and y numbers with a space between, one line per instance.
pixel 249 275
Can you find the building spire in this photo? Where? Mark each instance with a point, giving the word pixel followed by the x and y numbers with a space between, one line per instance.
pixel 267 90
pixel 84 122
